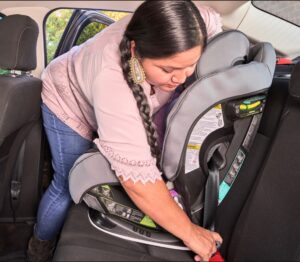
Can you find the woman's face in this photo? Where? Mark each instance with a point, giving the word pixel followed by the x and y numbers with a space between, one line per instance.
pixel 168 73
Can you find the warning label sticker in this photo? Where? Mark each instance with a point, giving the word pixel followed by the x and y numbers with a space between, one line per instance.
pixel 211 121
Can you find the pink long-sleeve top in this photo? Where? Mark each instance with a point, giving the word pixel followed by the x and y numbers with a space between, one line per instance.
pixel 85 88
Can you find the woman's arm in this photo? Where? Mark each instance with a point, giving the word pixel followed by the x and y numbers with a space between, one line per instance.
pixel 155 200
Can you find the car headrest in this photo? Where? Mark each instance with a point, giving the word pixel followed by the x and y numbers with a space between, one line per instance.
pixel 294 87
pixel 229 68
pixel 18 37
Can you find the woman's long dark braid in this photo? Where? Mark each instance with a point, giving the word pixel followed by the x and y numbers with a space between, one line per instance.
pixel 141 100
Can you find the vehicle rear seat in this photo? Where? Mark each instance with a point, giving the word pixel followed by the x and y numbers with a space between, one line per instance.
pixel 229 210
pixel 80 238
pixel 80 241
pixel 268 228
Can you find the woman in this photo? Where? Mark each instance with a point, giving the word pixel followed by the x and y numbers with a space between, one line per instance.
pixel 113 84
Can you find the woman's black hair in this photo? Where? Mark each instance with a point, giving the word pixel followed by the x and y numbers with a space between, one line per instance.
pixel 159 29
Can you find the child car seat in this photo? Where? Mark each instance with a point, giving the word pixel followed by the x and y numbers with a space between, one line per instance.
pixel 20 125
pixel 222 78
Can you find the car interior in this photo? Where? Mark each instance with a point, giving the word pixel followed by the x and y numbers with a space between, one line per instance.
pixel 245 182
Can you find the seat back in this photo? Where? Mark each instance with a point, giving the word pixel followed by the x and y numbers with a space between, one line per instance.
pixel 230 209
pixel 20 125
pixel 268 227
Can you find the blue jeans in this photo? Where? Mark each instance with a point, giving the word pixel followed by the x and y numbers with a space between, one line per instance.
pixel 66 146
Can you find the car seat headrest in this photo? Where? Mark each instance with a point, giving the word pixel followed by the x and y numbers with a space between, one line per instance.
pixel 223 74
pixel 18 37
pixel 223 51
pixel 294 87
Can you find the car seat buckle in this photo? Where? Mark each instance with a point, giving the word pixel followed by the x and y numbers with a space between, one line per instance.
pixel 15 189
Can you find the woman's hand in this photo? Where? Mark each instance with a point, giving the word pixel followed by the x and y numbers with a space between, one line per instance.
pixel 202 242
pixel 154 199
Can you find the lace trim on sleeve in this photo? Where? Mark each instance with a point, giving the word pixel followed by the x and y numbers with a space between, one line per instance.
pixel 137 170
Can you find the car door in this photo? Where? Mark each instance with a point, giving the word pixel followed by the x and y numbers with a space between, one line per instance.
pixel 82 25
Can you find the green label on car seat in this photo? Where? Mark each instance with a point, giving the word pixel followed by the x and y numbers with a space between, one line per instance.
pixel 4 72
pixel 147 221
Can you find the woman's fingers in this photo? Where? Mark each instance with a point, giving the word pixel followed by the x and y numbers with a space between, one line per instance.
pixel 204 243
pixel 203 258
pixel 217 237
pixel 210 249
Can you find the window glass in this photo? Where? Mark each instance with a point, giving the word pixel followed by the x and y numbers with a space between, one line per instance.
pixel 55 26
pixel 95 27
pixel 89 31
pixel 287 10
pixel 115 15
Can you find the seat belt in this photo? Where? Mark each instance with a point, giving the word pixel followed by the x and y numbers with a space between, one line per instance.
pixel 212 189
pixel 16 180
pixel 14 167
pixel 216 192
pixel 211 197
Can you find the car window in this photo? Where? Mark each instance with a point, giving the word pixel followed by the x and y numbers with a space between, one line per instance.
pixel 89 31
pixel 57 22
pixel 95 27
pixel 287 10
pixel 55 25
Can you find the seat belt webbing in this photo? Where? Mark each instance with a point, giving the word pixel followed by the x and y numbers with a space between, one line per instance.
pixel 12 174
pixel 212 188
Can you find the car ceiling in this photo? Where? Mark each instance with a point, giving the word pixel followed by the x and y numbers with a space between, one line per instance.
pixel 223 7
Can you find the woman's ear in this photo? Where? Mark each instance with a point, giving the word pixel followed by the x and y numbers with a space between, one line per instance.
pixel 132 48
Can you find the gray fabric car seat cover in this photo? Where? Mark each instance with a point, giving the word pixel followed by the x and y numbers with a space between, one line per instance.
pixel 214 87
pixel 215 58
pixel 218 80
pixel 99 172
pixel 18 34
